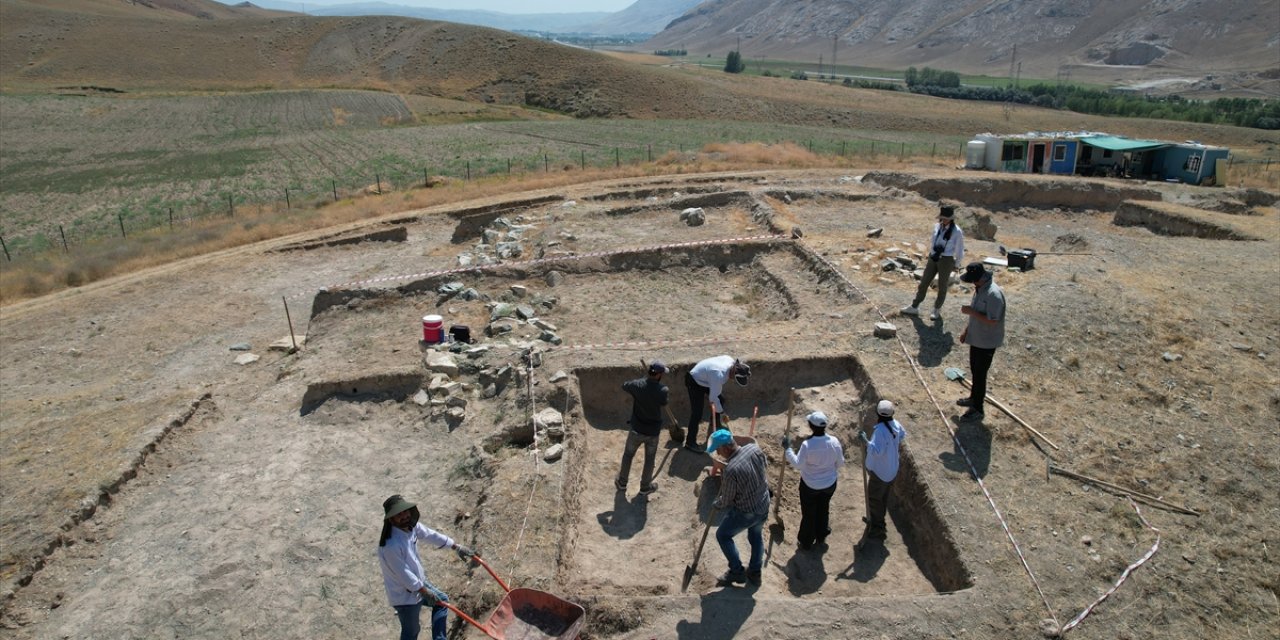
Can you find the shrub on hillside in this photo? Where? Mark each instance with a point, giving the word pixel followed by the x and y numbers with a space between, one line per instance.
pixel 733 63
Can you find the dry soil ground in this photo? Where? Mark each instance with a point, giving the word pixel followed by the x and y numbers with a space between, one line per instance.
pixel 152 488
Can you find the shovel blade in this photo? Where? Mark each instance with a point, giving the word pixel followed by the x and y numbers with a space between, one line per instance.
pixel 689 570
pixel 953 373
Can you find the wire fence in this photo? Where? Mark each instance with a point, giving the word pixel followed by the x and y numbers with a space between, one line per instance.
pixel 161 217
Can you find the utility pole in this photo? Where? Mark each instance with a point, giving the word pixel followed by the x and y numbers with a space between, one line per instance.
pixel 819 65
pixel 1012 60
pixel 834 39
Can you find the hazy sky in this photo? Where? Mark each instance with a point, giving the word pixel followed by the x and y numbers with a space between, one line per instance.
pixel 505 6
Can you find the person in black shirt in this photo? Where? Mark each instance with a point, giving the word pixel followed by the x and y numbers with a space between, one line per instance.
pixel 648 397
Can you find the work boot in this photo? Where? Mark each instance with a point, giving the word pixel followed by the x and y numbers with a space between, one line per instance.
pixel 935 315
pixel 911 311
pixel 653 486
pixel 693 447
pixel 754 577
pixel 620 485
pixel 964 402
pixel 731 577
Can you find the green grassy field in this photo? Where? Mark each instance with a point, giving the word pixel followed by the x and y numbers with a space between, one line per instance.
pixel 92 164
pixel 838 72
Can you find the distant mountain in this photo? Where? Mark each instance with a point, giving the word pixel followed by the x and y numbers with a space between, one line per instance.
pixel 1224 42
pixel 552 22
pixel 643 16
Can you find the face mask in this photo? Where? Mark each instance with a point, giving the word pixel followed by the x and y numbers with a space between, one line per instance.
pixel 408 523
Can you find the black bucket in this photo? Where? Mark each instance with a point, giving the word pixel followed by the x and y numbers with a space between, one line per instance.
pixel 1024 259
pixel 461 333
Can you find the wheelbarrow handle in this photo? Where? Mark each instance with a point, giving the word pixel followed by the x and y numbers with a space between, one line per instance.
pixel 483 627
pixel 486 566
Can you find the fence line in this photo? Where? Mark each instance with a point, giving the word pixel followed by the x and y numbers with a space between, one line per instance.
pixel 158 216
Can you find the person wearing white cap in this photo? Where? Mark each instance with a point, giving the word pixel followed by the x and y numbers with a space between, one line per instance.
pixel 818 460
pixel 882 464
pixel 744 499
pixel 402 573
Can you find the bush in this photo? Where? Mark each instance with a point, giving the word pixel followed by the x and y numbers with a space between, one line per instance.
pixel 799 75
pixel 733 63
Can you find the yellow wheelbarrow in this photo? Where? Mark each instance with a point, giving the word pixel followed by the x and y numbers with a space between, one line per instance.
pixel 528 614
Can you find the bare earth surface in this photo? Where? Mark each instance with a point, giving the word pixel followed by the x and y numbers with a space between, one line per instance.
pixel 150 487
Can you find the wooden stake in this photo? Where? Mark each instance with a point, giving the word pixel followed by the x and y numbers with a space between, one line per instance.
pixel 782 473
pixel 290 320
pixel 999 405
pixel 1101 483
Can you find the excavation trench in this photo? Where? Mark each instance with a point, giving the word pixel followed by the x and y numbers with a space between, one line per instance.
pixel 654 535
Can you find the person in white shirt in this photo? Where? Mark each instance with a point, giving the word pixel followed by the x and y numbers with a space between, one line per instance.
pixel 402 573
pixel 946 250
pixel 882 464
pixel 819 461
pixel 706 380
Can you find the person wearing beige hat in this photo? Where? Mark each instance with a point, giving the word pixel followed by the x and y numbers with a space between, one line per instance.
pixel 402 572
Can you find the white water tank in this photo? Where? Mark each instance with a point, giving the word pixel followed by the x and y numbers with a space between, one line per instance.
pixel 975 152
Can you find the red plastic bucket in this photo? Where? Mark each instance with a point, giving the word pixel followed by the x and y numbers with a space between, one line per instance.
pixel 432 329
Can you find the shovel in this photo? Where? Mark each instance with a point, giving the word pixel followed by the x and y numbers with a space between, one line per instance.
pixel 777 503
pixel 692 567
pixel 953 373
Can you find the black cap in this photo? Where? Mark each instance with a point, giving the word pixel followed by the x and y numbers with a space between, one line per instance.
pixel 974 273
pixel 657 366
pixel 946 211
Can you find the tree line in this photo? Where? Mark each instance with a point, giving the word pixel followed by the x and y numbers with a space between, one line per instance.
pixel 1254 113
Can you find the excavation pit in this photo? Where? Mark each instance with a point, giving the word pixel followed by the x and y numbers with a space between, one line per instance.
pixel 590 299
pixel 659 533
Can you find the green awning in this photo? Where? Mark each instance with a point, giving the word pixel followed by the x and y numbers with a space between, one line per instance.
pixel 1122 144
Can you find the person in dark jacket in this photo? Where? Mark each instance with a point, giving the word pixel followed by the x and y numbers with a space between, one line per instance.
pixel 648 397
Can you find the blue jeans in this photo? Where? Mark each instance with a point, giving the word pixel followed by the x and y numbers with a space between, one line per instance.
pixel 735 522
pixel 411 625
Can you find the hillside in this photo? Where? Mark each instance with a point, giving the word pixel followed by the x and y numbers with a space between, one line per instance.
pixel 642 16
pixel 523 22
pixel 92 43
pixel 146 9
pixel 1233 44
pixel 96 43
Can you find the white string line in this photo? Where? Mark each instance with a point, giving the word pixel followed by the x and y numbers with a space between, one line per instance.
pixel 550 260
pixel 1123 575
pixel 950 430
pixel 533 489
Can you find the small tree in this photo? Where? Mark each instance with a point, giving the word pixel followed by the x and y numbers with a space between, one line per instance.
pixel 733 63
